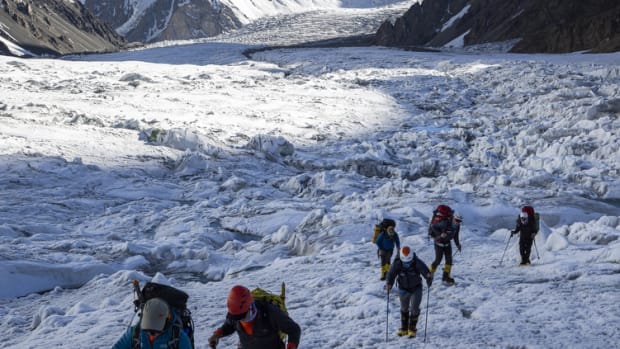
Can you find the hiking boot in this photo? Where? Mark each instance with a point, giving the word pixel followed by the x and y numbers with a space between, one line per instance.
pixel 404 321
pixel 384 270
pixel 446 278
pixel 412 326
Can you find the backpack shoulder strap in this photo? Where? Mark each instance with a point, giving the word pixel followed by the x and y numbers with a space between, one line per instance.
pixel 173 343
pixel 135 337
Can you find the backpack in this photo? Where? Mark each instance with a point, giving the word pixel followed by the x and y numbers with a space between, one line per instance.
pixel 263 296
pixel 375 233
pixel 176 299
pixel 440 213
pixel 531 214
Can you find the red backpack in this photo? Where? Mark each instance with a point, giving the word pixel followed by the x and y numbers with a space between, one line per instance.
pixel 440 213
pixel 531 215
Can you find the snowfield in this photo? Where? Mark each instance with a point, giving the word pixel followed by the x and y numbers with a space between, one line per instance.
pixel 196 166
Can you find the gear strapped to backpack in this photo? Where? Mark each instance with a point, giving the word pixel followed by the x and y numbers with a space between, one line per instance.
pixel 261 295
pixel 176 299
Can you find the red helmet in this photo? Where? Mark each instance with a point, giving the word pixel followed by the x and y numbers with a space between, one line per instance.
pixel 239 300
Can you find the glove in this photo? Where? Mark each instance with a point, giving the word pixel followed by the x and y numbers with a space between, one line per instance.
pixel 291 346
pixel 458 247
pixel 387 287
pixel 512 233
pixel 429 280
pixel 215 338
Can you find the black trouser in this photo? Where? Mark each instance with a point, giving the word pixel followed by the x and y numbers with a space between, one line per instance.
pixel 410 301
pixel 439 253
pixel 386 256
pixel 525 248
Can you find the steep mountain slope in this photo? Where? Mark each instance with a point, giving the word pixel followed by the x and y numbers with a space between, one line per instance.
pixel 549 26
pixel 33 27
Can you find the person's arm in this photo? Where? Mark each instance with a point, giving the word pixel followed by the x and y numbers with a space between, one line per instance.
pixel 424 271
pixel 380 238
pixel 391 274
pixel 226 330
pixel 285 324
pixel 125 341
pixel 457 230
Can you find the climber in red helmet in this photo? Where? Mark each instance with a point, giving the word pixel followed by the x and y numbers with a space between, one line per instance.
pixel 258 324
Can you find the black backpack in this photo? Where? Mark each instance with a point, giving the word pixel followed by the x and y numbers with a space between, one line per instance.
pixel 176 299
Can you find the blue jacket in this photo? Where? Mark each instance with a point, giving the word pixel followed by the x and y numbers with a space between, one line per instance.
pixel 161 342
pixel 384 242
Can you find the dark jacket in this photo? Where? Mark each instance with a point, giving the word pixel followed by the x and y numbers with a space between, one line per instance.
pixel 268 322
pixel 407 274
pixel 527 230
pixel 447 226
pixel 386 242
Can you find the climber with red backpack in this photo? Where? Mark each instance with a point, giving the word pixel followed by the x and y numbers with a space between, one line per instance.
pixel 527 226
pixel 258 323
pixel 444 227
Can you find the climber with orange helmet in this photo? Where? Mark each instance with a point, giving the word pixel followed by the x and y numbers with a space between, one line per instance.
pixel 257 323
pixel 407 269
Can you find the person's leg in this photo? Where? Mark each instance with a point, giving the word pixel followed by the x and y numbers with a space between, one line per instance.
pixel 386 258
pixel 438 257
pixel 447 268
pixel 523 250
pixel 416 299
pixel 405 301
pixel 527 250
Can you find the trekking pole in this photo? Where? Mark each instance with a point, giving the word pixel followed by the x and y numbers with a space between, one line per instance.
pixel 428 295
pixel 387 316
pixel 505 248
pixel 457 251
pixel 537 254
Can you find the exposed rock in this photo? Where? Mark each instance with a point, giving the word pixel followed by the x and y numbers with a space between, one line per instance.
pixel 165 19
pixel 54 27
pixel 552 26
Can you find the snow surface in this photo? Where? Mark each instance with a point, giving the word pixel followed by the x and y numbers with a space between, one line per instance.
pixel 195 166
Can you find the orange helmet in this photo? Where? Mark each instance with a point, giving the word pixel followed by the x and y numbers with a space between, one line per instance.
pixel 239 300
pixel 406 254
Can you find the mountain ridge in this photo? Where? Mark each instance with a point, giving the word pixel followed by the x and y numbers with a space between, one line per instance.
pixel 53 27
pixel 556 26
